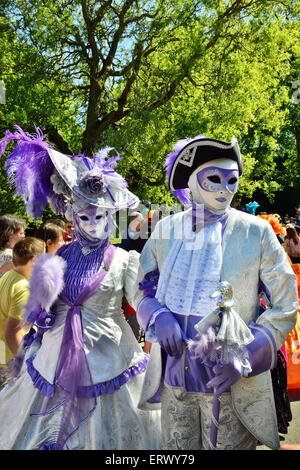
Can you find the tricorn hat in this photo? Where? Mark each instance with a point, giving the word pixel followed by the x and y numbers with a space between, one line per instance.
pixel 189 154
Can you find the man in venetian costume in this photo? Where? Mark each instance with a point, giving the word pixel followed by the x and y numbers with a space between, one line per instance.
pixel 181 267
pixel 77 378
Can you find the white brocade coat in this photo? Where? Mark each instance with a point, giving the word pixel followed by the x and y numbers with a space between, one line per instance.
pixel 251 252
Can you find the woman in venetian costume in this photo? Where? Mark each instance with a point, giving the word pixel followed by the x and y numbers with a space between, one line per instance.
pixel 77 378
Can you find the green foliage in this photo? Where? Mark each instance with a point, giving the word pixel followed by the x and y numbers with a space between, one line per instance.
pixel 242 88
pixel 141 75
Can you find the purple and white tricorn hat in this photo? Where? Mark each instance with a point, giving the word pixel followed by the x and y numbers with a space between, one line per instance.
pixel 41 174
pixel 190 153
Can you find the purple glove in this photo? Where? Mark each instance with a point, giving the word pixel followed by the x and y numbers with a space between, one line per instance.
pixel 225 376
pixel 169 334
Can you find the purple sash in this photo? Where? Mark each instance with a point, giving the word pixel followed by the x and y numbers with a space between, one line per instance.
pixel 73 371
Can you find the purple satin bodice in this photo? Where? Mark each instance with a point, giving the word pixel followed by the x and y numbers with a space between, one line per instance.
pixel 80 268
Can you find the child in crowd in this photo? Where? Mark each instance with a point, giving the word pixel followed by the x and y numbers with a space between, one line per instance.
pixel 13 296
pixel 70 232
pixel 53 236
pixel 12 229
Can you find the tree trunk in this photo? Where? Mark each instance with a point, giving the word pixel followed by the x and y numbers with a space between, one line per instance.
pixel 91 133
pixel 297 135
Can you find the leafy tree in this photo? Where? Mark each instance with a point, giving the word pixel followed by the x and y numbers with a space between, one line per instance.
pixel 242 87
pixel 141 74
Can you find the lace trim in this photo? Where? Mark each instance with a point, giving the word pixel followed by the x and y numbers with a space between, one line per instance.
pixel 191 273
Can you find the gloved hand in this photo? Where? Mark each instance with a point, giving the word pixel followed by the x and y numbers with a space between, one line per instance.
pixel 169 334
pixel 225 376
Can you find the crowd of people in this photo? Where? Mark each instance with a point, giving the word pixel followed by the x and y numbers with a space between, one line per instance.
pixel 17 256
pixel 172 370
pixel 57 232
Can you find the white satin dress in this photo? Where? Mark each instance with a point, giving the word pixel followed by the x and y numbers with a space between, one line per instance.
pixel 112 353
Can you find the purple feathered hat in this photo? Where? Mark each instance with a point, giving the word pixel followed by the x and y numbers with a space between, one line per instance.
pixel 188 154
pixel 40 174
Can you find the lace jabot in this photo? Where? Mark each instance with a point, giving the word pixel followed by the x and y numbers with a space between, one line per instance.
pixel 191 271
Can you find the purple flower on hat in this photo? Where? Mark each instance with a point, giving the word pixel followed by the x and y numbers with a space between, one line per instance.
pixel 58 203
pixel 92 183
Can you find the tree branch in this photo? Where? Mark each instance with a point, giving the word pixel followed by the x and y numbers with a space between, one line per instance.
pixel 120 112
pixel 90 31
pixel 98 18
pixel 116 37
pixel 146 180
pixel 57 139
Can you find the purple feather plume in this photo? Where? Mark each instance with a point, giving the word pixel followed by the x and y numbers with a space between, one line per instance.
pixel 183 195
pixel 46 283
pixel 23 136
pixel 103 161
pixel 29 168
pixel 107 165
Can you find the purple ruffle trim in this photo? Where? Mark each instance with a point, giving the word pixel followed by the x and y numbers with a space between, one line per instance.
pixel 45 387
pixel 102 388
pixel 112 385
pixel 48 446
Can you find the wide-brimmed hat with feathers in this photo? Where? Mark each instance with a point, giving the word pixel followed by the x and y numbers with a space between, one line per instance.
pixel 41 174
pixel 188 154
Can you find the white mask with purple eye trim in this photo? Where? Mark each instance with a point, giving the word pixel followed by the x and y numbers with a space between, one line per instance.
pixel 214 183
pixel 92 221
pixel 215 179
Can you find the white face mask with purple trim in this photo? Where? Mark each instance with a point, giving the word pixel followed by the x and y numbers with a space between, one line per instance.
pixel 214 184
pixel 92 222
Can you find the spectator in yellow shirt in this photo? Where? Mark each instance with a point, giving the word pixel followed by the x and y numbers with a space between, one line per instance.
pixel 14 291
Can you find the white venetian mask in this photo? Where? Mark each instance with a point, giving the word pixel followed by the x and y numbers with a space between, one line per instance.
pixel 214 183
pixel 92 221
